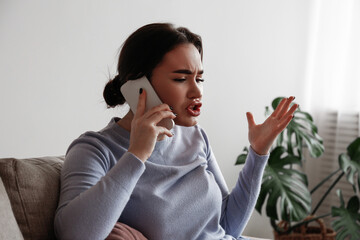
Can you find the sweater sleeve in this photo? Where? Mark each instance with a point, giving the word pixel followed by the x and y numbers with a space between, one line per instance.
pixel 238 205
pixel 93 193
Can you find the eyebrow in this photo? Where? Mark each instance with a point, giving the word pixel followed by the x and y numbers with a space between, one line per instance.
pixel 186 71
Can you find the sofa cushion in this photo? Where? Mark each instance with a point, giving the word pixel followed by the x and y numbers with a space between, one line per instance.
pixel 8 225
pixel 33 188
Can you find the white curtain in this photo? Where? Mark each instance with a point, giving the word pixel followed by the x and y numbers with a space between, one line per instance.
pixel 333 64
pixel 333 85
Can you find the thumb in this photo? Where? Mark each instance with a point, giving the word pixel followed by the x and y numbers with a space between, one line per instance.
pixel 250 119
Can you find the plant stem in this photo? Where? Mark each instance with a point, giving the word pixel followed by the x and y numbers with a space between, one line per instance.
pixel 323 181
pixel 275 226
pixel 327 192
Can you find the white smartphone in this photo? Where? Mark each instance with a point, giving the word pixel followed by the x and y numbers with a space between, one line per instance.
pixel 130 91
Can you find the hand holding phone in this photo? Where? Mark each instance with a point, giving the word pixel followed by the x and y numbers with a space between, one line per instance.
pixel 130 91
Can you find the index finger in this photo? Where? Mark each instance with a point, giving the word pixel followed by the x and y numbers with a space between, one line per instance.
pixel 279 106
pixel 141 106
pixel 283 107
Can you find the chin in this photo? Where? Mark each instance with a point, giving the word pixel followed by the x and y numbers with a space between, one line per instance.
pixel 186 122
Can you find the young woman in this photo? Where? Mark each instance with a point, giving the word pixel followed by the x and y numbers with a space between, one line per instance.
pixel 166 184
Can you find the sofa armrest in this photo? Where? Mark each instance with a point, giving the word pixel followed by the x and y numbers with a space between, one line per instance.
pixel 32 186
pixel 8 225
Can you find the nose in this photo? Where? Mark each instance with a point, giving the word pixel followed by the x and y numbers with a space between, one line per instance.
pixel 195 90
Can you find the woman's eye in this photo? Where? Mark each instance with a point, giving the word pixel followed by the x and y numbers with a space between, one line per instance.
pixel 200 80
pixel 179 79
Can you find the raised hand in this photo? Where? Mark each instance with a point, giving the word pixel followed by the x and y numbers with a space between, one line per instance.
pixel 262 136
pixel 144 130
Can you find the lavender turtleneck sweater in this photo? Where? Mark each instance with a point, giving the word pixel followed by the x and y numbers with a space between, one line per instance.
pixel 178 193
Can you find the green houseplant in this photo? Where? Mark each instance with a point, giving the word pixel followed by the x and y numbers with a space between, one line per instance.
pixel 284 190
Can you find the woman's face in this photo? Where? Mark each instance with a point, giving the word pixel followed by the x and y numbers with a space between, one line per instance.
pixel 178 82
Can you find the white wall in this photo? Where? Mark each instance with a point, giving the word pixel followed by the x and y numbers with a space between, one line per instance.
pixel 56 56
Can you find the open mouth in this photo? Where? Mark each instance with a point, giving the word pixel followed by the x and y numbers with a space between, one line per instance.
pixel 194 109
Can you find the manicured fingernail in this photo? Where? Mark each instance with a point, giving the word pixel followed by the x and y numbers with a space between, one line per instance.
pixel 175 114
pixel 140 91
pixel 171 108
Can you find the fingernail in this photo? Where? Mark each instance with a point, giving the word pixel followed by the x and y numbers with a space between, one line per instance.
pixel 175 114
pixel 171 108
pixel 140 91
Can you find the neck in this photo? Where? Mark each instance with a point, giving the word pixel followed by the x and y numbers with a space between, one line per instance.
pixel 125 122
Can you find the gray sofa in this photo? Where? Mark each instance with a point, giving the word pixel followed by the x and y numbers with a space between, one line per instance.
pixel 29 193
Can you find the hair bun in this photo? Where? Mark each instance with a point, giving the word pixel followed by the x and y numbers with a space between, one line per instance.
pixel 112 94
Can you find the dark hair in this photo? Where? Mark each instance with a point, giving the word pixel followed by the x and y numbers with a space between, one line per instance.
pixel 142 52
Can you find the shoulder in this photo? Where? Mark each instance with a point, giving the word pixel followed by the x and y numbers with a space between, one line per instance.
pixel 106 145
pixel 88 140
pixel 111 136
pixel 88 150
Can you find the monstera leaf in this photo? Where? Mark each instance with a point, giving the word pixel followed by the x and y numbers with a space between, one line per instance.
pixel 350 162
pixel 242 157
pixel 285 185
pixel 347 224
pixel 301 129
